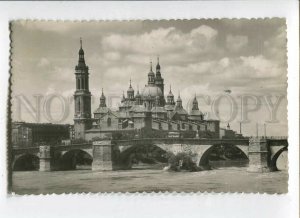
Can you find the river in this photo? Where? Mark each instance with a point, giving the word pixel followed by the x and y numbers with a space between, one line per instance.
pixel 221 179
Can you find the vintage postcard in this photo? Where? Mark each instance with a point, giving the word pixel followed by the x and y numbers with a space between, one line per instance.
pixel 149 106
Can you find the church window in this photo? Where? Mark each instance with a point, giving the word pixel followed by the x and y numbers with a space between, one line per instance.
pixel 81 83
pixel 77 83
pixel 78 108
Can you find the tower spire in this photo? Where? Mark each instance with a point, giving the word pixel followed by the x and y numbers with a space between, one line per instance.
pixel 80 42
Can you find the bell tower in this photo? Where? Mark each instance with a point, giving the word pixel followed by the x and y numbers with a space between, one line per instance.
pixel 159 82
pixel 82 97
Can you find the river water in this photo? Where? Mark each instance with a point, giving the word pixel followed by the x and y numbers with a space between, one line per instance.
pixel 220 179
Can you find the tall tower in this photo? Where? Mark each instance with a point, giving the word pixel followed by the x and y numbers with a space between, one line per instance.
pixel 151 76
pixel 170 98
pixel 195 104
pixel 102 100
pixel 130 92
pixel 82 97
pixel 159 81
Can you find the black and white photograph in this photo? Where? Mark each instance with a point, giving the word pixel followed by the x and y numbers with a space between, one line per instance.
pixel 195 105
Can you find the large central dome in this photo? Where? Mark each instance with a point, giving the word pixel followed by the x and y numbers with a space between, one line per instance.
pixel 153 91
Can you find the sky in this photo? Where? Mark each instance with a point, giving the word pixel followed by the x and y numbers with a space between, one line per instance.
pixel 207 58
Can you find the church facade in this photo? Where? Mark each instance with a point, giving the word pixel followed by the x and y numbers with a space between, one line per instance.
pixel 148 110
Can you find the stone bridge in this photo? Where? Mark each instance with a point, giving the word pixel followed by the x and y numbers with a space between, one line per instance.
pixel 108 154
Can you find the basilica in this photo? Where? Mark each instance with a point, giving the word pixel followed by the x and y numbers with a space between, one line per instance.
pixel 150 109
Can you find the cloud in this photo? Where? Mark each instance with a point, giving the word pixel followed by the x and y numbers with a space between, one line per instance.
pixel 206 57
pixel 49 26
pixel 275 46
pixel 162 41
pixel 112 56
pixel 43 62
pixel 236 43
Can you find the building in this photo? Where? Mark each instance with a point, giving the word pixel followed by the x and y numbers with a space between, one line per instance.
pixel 32 134
pixel 148 110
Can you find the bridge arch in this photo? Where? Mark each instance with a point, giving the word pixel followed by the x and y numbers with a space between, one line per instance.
pixel 276 151
pixel 126 156
pixel 207 151
pixel 70 160
pixel 26 162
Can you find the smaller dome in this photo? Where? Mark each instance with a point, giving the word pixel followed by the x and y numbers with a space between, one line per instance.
pixel 151 73
pixel 138 95
pixel 158 66
pixel 130 89
pixel 178 99
pixel 170 94
pixel 102 97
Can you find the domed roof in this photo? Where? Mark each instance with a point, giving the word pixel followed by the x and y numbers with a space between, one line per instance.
pixel 138 95
pixel 130 89
pixel 170 94
pixel 195 101
pixel 152 91
pixel 151 73
pixel 179 99
pixel 102 97
pixel 195 113
pixel 180 110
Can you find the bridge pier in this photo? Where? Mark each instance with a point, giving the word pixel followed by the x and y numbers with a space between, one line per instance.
pixel 258 155
pixel 45 158
pixel 102 155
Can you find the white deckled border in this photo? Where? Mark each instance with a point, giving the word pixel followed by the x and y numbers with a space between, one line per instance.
pixel 155 205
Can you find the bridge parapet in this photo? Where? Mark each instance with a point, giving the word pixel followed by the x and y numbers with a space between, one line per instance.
pixel 190 141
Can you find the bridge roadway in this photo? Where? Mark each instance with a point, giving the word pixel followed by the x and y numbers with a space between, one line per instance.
pixel 262 153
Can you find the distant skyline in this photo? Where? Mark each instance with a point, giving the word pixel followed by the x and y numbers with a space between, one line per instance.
pixel 203 57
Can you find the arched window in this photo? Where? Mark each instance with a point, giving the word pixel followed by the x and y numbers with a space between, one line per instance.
pixel 178 126
pixel 183 126
pixel 81 83
pixel 109 122
pixel 190 127
pixel 78 107
pixel 77 83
